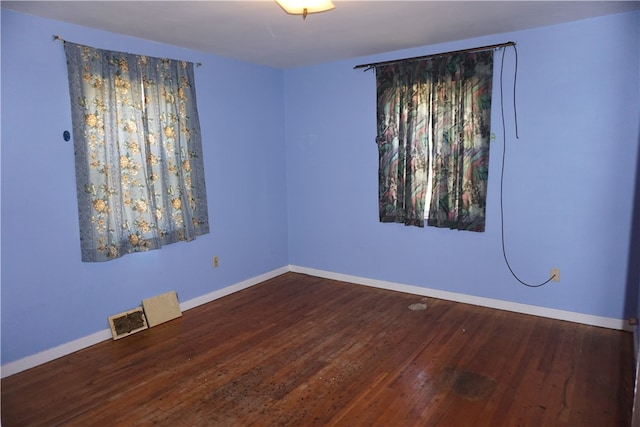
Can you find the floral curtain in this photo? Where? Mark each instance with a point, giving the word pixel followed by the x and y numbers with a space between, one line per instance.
pixel 138 152
pixel 433 137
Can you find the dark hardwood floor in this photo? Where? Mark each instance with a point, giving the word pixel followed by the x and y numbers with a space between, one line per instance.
pixel 298 350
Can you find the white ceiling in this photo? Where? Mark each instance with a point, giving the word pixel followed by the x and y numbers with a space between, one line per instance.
pixel 262 33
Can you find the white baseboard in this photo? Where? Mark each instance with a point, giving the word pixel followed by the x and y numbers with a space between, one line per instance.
pixel 587 319
pixel 54 353
pixel 84 342
pixel 233 288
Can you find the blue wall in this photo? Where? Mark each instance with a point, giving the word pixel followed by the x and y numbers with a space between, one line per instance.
pixel 568 186
pixel 291 169
pixel 49 297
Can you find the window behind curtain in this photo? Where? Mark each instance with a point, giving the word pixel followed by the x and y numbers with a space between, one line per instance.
pixel 433 140
pixel 138 152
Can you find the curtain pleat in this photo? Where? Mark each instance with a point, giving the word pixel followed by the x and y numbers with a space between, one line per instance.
pixel 433 140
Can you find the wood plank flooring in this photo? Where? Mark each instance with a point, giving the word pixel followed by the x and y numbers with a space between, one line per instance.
pixel 298 350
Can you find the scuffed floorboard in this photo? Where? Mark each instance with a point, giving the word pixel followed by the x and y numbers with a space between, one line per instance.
pixel 303 351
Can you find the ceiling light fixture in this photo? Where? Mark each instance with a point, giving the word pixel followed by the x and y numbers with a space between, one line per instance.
pixel 305 7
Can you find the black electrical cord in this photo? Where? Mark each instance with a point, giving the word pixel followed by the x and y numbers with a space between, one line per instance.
pixel 504 150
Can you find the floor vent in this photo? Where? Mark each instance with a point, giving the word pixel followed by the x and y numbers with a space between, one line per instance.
pixel 152 312
pixel 127 323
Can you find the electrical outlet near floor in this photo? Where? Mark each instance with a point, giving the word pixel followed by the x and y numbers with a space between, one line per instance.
pixel 216 262
pixel 555 275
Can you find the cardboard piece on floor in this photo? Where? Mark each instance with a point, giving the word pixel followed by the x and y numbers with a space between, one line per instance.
pixel 161 308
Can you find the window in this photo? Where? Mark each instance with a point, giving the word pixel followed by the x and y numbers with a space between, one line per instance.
pixel 433 136
pixel 138 152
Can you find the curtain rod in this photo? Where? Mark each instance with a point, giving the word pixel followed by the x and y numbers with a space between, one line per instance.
pixel 57 37
pixel 415 58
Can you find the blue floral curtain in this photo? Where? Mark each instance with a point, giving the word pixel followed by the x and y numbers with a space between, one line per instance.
pixel 434 119
pixel 138 152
